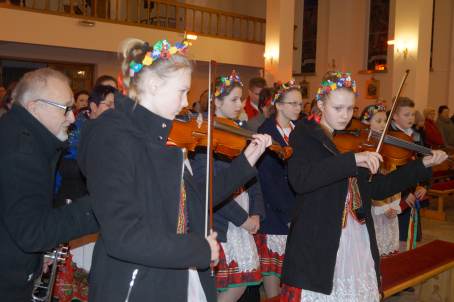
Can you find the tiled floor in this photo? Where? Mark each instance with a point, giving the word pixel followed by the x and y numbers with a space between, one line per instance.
pixel 432 230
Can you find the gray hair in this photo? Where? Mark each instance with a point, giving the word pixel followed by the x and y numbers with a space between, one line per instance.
pixel 34 84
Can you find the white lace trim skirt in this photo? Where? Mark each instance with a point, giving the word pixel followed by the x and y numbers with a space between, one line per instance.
pixel 387 233
pixel 354 274
pixel 240 246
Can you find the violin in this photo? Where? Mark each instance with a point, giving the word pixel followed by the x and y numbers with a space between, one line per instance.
pixel 229 139
pixel 355 124
pixel 397 150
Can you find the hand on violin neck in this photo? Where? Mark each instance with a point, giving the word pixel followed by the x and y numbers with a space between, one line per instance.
pixel 437 157
pixel 256 148
pixel 369 160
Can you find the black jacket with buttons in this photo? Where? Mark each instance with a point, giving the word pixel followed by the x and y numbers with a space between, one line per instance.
pixel 136 179
pixel 29 225
pixel 319 175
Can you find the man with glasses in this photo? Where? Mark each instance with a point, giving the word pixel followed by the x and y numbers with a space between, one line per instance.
pixel 32 135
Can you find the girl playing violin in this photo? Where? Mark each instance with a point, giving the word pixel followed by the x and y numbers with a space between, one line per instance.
pixel 331 252
pixel 150 209
pixel 384 212
pixel 238 217
pixel 279 198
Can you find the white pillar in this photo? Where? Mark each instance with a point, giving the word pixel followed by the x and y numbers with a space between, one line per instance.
pixel 412 34
pixel 279 40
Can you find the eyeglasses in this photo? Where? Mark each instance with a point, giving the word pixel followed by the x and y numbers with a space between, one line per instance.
pixel 108 104
pixel 58 105
pixel 294 104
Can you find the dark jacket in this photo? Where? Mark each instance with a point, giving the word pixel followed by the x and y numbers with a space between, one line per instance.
pixel 136 180
pixel 229 210
pixel 404 216
pixel 71 184
pixel 29 225
pixel 319 175
pixel 254 123
pixel 278 196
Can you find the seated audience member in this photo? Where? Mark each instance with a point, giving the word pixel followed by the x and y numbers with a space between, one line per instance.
pixel 432 134
pixel 445 125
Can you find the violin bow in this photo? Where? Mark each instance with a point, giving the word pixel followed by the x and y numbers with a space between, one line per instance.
pixel 209 166
pixel 393 109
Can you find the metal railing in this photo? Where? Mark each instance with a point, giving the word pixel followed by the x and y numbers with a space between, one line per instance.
pixel 162 14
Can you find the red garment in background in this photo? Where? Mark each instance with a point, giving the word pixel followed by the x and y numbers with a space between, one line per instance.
pixel 433 136
pixel 249 109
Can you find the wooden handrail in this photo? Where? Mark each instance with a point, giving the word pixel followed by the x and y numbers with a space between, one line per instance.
pixel 160 16
pixel 211 10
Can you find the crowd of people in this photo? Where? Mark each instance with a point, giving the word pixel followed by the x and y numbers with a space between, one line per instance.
pixel 309 228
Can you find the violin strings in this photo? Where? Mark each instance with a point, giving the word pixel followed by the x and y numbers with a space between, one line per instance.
pixel 404 144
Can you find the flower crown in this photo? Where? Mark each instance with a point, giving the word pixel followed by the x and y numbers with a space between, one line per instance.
pixel 283 88
pixel 343 80
pixel 226 82
pixel 162 49
pixel 370 111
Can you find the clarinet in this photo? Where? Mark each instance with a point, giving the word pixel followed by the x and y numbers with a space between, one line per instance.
pixel 44 285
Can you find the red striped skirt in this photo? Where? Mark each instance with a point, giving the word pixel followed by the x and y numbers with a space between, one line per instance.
pixel 229 275
pixel 290 293
pixel 270 262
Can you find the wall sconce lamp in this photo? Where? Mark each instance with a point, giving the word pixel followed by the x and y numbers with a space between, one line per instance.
pixel 191 37
pixel 271 55
pixel 402 47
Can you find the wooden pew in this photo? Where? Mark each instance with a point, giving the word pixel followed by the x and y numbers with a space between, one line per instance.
pixel 415 267
pixel 439 191
pixel 418 268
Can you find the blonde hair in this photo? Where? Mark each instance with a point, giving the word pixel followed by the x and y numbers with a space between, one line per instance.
pixel 135 50
pixel 419 118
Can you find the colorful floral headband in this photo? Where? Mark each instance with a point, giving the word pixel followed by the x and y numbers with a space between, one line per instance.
pixel 283 88
pixel 344 80
pixel 227 82
pixel 370 111
pixel 161 50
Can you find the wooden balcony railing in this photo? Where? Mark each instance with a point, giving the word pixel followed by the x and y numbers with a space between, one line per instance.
pixel 162 14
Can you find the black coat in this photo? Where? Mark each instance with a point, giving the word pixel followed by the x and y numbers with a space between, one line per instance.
pixel 136 180
pixel 29 225
pixel 73 184
pixel 319 175
pixel 278 196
